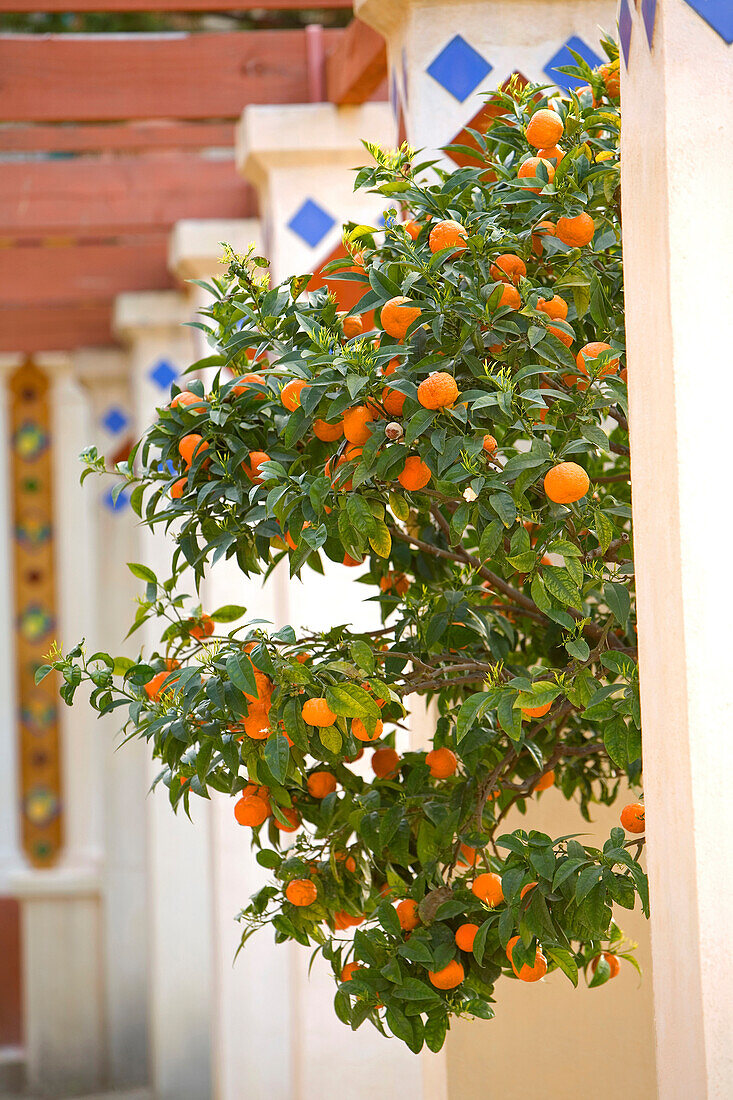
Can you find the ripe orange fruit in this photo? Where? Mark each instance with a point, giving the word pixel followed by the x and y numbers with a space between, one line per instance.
pixel 348 560
pixel 556 308
pixel 178 488
pixel 407 914
pixel 393 401
pixel 320 784
pixel 545 782
pixel 290 394
pixel 437 391
pixel 632 818
pixel 564 337
pixel 612 79
pixel 613 964
pixel 292 816
pixel 257 724
pixel 398 581
pixel 545 228
pixel 592 351
pixel 398 315
pixel 552 152
pixel 251 466
pixel 469 856
pixel 566 483
pixel 528 170
pixel 487 888
pixel 385 763
pixel 343 920
pixel 575 232
pixel 201 628
pixel 359 730
pixel 301 892
pixel 328 433
pixel 544 128
pixel 526 889
pixel 190 446
pixel 528 973
pixel 536 712
pixel 415 474
pixel 352 326
pixel 355 423
pixel 153 687
pixel 316 712
pixel 349 970
pixel 510 298
pixel 490 444
pixel 449 977
pixel 244 383
pixel 448 234
pixel 413 229
pixel 185 397
pixel 508 268
pixel 465 935
pixel 251 810
pixel 442 763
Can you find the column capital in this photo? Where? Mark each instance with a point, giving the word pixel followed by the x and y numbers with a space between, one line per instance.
pixel 385 16
pixel 272 137
pixel 148 311
pixel 101 366
pixel 195 246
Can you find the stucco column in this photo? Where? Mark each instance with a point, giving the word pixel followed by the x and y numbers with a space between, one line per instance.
pixel 677 93
pixel 63 999
pixel 443 54
pixel 123 776
pixel 301 160
pixel 179 884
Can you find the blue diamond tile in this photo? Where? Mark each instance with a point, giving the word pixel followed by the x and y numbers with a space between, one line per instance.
pixel 564 57
pixel 311 222
pixel 459 68
pixel 625 27
pixel 649 15
pixel 113 505
pixel 114 420
pixel 163 373
pixel 718 13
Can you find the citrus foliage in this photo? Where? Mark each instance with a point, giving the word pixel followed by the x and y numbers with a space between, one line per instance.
pixel 510 609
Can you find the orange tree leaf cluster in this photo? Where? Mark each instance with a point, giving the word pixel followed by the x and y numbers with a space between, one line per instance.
pixel 490 507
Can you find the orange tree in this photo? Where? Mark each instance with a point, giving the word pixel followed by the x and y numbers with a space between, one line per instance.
pixel 472 452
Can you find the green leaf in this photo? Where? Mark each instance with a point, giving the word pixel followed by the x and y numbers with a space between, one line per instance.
pixel 618 600
pixel 491 536
pixel 399 506
pixel 228 614
pixel 142 572
pixel 504 507
pixel 559 584
pixel 470 711
pixel 277 756
pixel 330 738
pixel 436 1027
pixel 351 701
pixel 380 539
pixel 565 960
pixel 362 656
pixel 387 917
pixel 240 671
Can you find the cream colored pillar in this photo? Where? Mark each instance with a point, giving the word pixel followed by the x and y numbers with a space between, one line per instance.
pixel 252 1002
pixel 62 976
pixel 124 778
pixel 179 885
pixel 444 54
pixel 301 160
pixel 678 241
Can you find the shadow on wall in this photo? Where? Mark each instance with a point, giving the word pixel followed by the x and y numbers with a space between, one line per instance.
pixel 548 1040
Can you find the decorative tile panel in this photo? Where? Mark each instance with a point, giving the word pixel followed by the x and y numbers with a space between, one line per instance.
pixel 625 27
pixel 459 68
pixel 114 420
pixel 311 222
pixel 163 373
pixel 718 14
